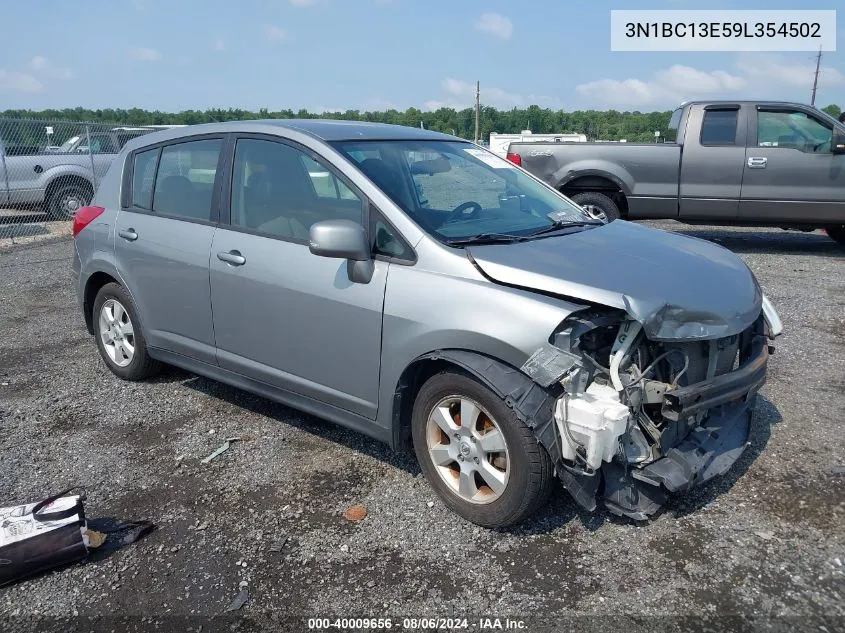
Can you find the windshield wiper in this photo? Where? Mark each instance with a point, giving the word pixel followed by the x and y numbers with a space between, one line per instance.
pixel 486 238
pixel 565 224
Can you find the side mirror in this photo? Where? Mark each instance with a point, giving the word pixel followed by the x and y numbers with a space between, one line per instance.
pixel 837 141
pixel 342 239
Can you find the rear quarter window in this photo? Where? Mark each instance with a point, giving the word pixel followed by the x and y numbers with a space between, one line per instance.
pixel 719 127
pixel 143 173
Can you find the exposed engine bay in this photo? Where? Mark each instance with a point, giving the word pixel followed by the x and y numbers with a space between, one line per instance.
pixel 638 418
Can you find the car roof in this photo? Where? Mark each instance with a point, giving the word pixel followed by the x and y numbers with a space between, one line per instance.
pixel 324 129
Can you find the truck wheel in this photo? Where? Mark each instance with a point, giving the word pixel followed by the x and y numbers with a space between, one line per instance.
pixel 479 457
pixel 837 233
pixel 66 200
pixel 598 205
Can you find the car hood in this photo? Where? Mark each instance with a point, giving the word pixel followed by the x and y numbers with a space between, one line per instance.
pixel 677 287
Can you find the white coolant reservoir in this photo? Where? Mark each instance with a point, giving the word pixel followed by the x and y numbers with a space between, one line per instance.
pixel 595 419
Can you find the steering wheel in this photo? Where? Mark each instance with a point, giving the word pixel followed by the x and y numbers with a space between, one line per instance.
pixel 465 211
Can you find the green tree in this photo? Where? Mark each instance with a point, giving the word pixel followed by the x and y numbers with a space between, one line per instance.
pixel 833 110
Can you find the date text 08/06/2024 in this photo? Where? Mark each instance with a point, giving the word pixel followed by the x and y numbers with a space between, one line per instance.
pixel 412 624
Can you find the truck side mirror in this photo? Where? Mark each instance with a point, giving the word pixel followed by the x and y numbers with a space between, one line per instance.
pixel 837 142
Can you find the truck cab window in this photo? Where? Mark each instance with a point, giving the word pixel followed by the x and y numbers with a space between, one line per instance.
pixel 671 135
pixel 719 127
pixel 793 130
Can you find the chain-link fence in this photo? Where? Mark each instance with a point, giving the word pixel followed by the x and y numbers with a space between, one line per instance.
pixel 50 169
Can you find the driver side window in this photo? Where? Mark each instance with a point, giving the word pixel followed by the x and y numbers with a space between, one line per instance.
pixel 794 130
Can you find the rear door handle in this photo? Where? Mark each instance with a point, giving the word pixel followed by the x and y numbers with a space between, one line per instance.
pixel 232 257
pixel 129 235
pixel 757 162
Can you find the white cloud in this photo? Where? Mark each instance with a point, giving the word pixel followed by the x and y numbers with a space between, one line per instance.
pixel 759 74
pixel 768 69
pixel 145 54
pixel 220 44
pixel 39 63
pixel 45 67
pixel 273 33
pixel 495 24
pixel 19 82
pixel 666 87
pixel 461 94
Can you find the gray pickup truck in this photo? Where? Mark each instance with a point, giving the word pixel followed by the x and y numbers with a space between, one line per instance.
pixel 742 163
pixel 61 181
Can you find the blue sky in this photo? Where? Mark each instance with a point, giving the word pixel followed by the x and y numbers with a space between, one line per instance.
pixel 374 54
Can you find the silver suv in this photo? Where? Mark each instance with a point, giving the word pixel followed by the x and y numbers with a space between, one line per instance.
pixel 420 289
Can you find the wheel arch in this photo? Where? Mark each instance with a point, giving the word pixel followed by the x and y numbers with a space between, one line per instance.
pixel 598 182
pixel 92 286
pixel 533 404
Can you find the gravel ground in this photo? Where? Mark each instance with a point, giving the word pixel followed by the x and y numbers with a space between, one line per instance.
pixel 765 542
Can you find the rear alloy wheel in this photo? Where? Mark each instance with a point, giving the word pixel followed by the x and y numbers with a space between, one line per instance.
pixel 119 337
pixel 67 200
pixel 484 463
pixel 598 205
pixel 837 233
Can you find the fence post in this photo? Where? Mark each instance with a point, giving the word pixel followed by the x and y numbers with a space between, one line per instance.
pixel 91 156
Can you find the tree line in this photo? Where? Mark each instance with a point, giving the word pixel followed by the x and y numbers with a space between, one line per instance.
pixel 634 126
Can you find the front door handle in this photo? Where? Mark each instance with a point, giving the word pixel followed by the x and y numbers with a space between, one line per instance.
pixel 233 258
pixel 757 162
pixel 129 235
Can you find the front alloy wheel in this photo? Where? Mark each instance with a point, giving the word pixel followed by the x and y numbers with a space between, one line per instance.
pixel 468 449
pixel 479 457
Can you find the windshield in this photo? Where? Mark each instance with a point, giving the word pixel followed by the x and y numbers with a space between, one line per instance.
pixel 68 144
pixel 455 190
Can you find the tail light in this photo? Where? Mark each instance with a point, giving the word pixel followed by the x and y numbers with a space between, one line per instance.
pixel 84 217
pixel 516 159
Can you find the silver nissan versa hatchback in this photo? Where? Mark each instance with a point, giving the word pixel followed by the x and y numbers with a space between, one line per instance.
pixel 417 288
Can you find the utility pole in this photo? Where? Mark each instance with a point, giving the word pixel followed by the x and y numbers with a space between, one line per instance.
pixel 477 108
pixel 816 78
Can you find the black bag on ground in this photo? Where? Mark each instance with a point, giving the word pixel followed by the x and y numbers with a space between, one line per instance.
pixel 41 536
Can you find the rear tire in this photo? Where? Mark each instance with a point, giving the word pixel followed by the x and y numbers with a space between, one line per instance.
pixel 837 233
pixel 66 200
pixel 480 458
pixel 598 204
pixel 119 337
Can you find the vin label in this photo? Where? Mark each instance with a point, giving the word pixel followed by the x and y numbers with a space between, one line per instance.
pixel 723 30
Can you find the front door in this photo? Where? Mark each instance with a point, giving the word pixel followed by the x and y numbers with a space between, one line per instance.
pixel 162 244
pixel 790 173
pixel 282 315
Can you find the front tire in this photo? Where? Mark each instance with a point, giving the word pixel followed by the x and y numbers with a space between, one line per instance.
pixel 837 233
pixel 119 336
pixel 484 463
pixel 598 205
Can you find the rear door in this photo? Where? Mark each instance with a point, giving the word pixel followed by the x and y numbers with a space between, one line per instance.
pixel 163 239
pixel 790 173
pixel 712 162
pixel 282 315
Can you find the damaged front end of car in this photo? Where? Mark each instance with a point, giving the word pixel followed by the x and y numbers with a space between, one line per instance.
pixel 635 418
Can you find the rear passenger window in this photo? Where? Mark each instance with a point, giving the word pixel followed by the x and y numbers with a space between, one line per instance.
pixel 185 180
pixel 143 172
pixel 281 191
pixel 719 127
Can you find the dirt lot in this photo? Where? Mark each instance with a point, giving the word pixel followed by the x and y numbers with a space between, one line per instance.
pixel 765 543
